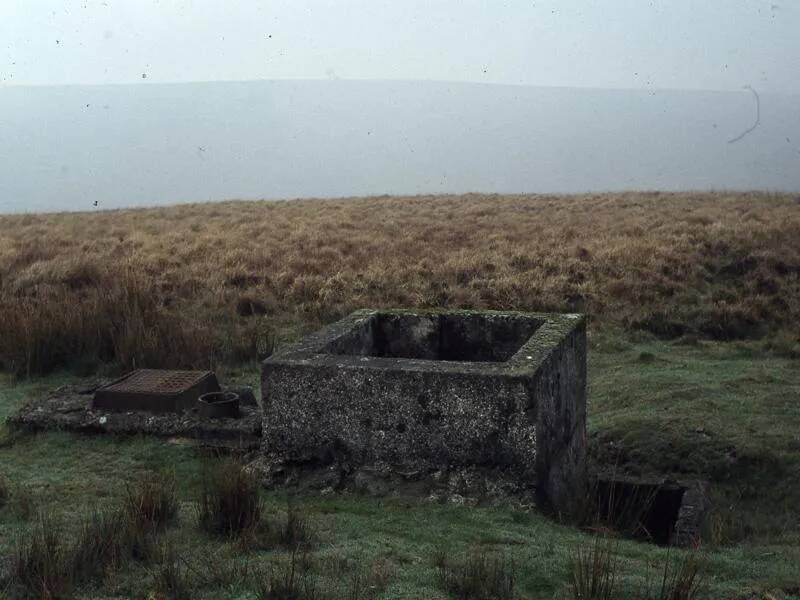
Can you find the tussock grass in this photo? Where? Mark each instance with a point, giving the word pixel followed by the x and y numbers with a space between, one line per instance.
pixel 152 502
pixel 593 570
pixel 171 577
pixel 162 287
pixel 681 579
pixel 40 562
pixel 105 542
pixel 295 532
pixel 293 581
pixel 476 576
pixel 230 502
pixel 213 570
pixel 5 491
pixel 369 584
pixel 48 564
pixel 23 502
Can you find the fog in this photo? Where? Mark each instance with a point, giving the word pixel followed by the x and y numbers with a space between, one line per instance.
pixel 111 146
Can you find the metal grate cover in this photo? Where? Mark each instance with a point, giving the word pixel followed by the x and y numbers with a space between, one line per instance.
pixel 155 390
pixel 157 381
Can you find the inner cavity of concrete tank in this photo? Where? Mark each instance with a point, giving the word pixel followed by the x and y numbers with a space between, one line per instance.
pixel 451 337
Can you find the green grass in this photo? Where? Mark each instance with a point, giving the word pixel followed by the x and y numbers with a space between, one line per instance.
pixel 727 412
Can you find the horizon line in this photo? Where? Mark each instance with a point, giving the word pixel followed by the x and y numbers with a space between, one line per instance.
pixel 743 88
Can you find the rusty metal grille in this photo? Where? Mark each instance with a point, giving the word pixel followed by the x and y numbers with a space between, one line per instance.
pixel 156 381
pixel 155 390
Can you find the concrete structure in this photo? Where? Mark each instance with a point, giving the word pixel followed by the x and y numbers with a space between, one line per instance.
pixel 70 408
pixel 436 390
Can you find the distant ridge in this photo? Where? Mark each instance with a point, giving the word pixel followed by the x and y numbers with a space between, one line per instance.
pixel 67 147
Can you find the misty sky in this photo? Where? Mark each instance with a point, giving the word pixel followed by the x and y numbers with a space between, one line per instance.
pixel 713 44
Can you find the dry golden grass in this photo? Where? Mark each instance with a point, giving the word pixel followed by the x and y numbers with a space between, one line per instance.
pixel 195 284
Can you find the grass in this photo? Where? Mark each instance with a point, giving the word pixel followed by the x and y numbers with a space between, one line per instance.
pixel 47 564
pixel 152 502
pixel 201 285
pixel 230 505
pixel 4 491
pixel 40 562
pixel 476 576
pixel 171 578
pixel 726 409
pixel 682 579
pixel 694 371
pixel 296 532
pixel 230 501
pixel 724 412
pixel 104 543
pixel 290 582
pixel 594 570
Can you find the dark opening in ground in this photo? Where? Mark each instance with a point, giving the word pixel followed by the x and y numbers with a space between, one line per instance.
pixel 642 510
pixel 467 337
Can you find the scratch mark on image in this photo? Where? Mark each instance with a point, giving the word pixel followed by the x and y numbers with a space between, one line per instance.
pixel 758 117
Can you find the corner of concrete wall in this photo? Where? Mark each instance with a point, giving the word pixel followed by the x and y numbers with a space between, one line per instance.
pixel 560 392
pixel 693 515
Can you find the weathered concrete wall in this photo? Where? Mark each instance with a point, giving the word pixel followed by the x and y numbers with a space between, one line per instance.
pixel 559 391
pixel 342 396
pixel 367 415
pixel 693 515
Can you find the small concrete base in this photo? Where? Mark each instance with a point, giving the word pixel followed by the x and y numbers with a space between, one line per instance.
pixel 69 408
